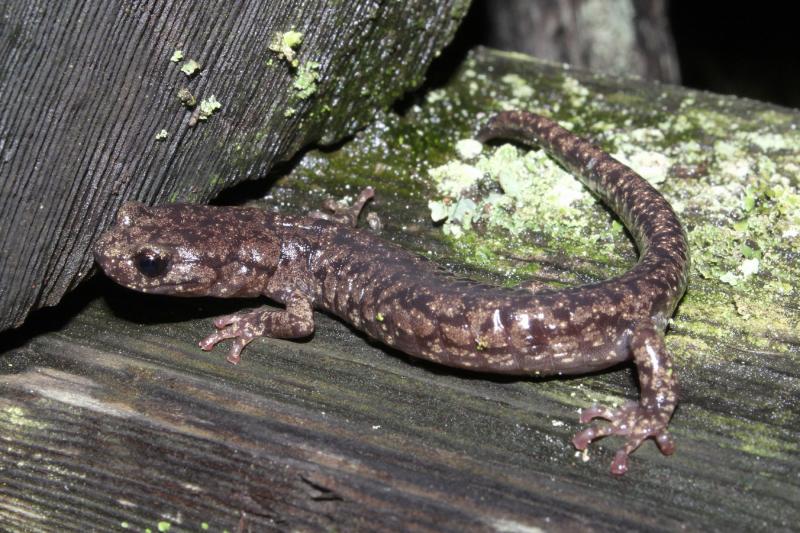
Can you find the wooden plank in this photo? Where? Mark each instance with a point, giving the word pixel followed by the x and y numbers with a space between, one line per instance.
pixel 110 414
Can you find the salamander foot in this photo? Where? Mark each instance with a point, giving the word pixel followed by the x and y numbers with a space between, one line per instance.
pixel 632 420
pixel 342 213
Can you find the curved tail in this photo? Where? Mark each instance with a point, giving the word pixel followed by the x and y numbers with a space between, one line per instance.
pixel 659 236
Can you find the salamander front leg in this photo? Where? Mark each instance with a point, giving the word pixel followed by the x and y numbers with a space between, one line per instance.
pixel 294 322
pixel 342 213
pixel 649 417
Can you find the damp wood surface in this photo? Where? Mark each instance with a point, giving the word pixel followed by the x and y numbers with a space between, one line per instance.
pixel 111 416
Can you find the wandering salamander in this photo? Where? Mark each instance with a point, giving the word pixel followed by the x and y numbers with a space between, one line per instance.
pixel 409 303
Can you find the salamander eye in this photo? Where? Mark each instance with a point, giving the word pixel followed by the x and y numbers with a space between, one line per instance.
pixel 151 263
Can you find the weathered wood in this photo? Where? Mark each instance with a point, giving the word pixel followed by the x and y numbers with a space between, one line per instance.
pixel 87 87
pixel 114 415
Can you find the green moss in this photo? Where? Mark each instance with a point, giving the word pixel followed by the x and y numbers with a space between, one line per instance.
pixel 756 438
pixel 17 416
pixel 741 317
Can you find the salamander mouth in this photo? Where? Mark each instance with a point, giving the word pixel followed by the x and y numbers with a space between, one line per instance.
pixel 189 288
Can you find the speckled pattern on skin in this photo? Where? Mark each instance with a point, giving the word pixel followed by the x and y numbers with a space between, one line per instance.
pixel 411 304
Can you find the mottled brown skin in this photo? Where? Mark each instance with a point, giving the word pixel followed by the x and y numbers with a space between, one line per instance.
pixel 409 303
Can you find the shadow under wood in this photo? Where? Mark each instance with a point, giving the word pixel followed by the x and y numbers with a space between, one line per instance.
pixel 50 319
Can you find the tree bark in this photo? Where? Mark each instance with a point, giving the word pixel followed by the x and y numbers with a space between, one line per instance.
pixel 630 37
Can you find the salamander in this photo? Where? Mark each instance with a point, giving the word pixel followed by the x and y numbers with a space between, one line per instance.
pixel 321 261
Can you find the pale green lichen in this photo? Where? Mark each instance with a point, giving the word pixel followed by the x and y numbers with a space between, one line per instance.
pixel 286 44
pixel 208 106
pixel 455 177
pixel 459 214
pixel 769 141
pixel 305 82
pixel 509 190
pixel 724 255
pixel 161 135
pixel 730 278
pixel 186 97
pixel 693 117
pixel 576 93
pixel 519 87
pixel 177 56
pixel 468 149
pixel 650 164
pixel 190 68
pixel 440 209
pixel 436 95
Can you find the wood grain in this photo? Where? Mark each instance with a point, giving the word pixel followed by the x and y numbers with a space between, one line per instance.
pixel 87 86
pixel 110 413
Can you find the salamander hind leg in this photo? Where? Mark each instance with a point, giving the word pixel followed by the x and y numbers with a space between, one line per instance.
pixel 649 417
pixel 342 213
pixel 294 322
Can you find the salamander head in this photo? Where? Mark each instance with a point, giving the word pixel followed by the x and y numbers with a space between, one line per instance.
pixel 185 250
